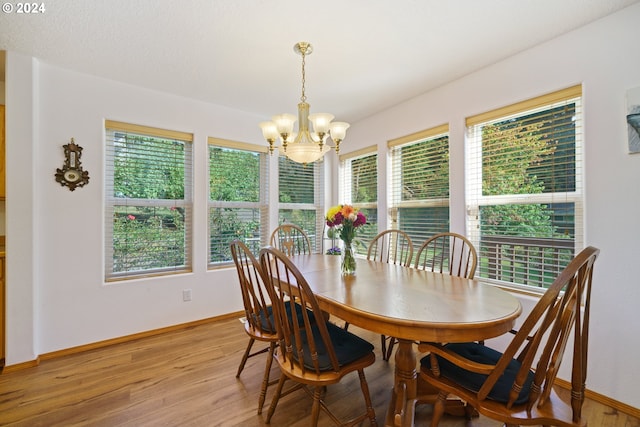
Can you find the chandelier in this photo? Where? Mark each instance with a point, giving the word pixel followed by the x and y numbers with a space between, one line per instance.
pixel 304 146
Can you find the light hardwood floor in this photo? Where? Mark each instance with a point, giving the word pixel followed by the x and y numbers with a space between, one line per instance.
pixel 187 378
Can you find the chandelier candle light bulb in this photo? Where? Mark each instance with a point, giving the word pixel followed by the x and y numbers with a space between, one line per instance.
pixel 304 146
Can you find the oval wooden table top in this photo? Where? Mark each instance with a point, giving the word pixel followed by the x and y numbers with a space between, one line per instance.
pixel 409 303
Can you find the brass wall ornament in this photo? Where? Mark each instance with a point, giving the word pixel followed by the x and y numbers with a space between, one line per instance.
pixel 71 174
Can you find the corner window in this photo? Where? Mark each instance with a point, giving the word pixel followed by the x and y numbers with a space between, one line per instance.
pixel 148 201
pixel 524 188
pixel 359 187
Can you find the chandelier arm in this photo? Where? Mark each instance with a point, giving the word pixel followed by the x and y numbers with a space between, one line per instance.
pixel 337 146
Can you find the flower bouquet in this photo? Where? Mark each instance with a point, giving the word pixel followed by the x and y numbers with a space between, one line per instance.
pixel 344 219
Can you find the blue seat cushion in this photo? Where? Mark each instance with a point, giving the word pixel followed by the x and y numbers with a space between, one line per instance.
pixel 473 381
pixel 347 346
pixel 269 326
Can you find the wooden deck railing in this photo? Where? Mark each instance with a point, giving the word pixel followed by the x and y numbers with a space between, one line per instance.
pixel 523 260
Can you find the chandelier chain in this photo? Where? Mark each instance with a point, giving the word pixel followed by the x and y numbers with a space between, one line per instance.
pixel 303 98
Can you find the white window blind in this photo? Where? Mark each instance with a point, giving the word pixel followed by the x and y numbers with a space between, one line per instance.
pixel 420 183
pixel 359 187
pixel 148 201
pixel 301 197
pixel 238 186
pixel 524 188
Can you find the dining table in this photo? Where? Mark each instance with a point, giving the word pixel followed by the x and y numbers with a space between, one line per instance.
pixel 412 305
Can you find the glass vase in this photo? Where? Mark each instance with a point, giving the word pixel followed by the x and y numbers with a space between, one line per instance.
pixel 348 264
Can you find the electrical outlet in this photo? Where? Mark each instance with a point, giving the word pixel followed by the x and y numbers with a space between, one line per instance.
pixel 186 295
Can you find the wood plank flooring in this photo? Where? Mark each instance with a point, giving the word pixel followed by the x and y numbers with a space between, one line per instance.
pixel 187 378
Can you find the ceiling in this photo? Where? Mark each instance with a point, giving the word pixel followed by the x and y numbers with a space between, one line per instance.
pixel 368 54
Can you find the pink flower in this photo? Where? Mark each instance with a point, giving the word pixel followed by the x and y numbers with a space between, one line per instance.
pixel 360 219
pixel 131 217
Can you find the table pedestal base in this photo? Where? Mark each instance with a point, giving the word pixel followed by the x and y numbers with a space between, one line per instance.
pixel 405 417
pixel 409 390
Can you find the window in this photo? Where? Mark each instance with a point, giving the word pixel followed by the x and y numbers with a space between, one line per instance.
pixel 524 199
pixel 359 187
pixel 420 183
pixel 301 197
pixel 148 201
pixel 237 197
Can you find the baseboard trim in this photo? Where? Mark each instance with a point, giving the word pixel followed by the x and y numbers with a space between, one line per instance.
pixel 106 343
pixel 605 400
pixel 20 366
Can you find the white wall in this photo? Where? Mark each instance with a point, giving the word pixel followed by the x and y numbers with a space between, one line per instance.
pixel 20 287
pixel 56 296
pixel 603 57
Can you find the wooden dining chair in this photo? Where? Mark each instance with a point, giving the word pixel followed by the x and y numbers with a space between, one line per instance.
pixel 291 239
pixel 506 386
pixel 448 253
pixel 392 247
pixel 258 323
pixel 313 354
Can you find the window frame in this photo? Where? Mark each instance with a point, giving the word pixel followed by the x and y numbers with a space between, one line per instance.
pixel 396 202
pixel 112 202
pixel 345 191
pixel 315 236
pixel 261 204
pixel 475 199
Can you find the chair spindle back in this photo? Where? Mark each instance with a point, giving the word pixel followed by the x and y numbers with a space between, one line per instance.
pixel 548 327
pixel 449 253
pixel 392 247
pixel 255 295
pixel 289 287
pixel 291 239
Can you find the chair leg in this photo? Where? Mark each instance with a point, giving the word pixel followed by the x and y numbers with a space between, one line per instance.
pixel 245 357
pixel 470 412
pixel 438 408
pixel 276 397
pixel 315 409
pixel 371 413
pixel 265 379
pixel 383 344
pixel 392 342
